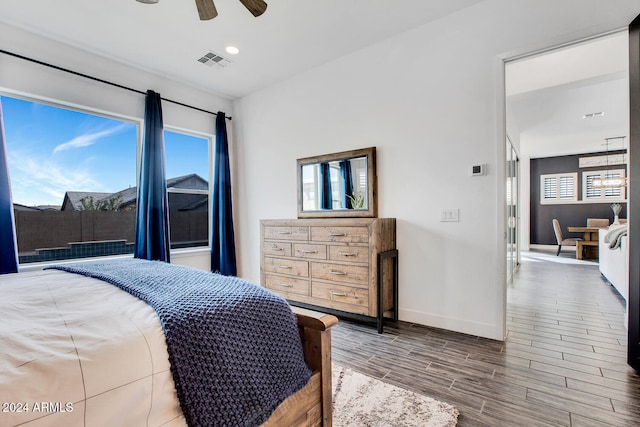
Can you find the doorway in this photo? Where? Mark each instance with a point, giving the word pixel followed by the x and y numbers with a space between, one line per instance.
pixel 564 102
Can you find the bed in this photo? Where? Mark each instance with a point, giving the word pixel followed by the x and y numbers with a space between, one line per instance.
pixel 76 350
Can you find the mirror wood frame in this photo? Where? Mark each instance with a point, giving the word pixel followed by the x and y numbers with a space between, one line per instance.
pixel 372 185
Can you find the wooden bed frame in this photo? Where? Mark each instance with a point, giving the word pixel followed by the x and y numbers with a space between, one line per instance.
pixel 311 405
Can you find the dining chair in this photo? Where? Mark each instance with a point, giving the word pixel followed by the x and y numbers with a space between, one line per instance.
pixel 598 222
pixel 561 240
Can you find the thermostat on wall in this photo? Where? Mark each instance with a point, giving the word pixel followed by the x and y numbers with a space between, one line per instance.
pixel 478 170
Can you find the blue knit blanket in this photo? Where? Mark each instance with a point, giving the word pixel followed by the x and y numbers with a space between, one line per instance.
pixel 234 347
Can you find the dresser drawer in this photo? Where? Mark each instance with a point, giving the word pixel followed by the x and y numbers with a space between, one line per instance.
pixel 349 253
pixel 340 234
pixel 345 273
pixel 331 263
pixel 287 285
pixel 276 249
pixel 286 233
pixel 341 294
pixel 289 267
pixel 304 250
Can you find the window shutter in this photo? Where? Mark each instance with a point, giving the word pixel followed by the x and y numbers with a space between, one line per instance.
pixel 567 188
pixel 591 192
pixel 558 188
pixel 602 194
pixel 550 188
pixel 612 193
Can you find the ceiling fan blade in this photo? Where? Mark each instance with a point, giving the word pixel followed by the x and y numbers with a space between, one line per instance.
pixel 256 7
pixel 206 9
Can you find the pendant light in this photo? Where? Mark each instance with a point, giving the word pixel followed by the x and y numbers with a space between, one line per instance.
pixel 609 181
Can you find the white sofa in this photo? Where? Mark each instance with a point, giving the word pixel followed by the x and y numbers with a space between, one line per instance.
pixel 614 264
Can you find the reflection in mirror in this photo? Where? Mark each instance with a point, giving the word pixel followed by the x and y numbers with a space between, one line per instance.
pixel 335 185
pixel 338 185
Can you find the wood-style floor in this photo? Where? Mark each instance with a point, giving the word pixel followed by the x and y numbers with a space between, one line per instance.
pixel 563 362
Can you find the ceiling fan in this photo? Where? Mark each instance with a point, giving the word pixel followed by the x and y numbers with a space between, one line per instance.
pixel 207 10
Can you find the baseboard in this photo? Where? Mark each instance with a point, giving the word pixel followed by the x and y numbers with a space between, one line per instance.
pixel 485 330
pixel 552 248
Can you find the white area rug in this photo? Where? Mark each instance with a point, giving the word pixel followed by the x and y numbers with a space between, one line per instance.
pixel 359 400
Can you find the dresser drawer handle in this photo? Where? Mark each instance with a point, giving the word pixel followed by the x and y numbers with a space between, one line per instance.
pixel 308 251
pixel 284 232
pixel 348 253
pixel 286 267
pixel 337 294
pixel 337 234
pixel 338 273
pixel 285 285
pixel 277 249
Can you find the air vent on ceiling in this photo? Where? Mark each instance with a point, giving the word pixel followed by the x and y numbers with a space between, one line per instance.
pixel 211 59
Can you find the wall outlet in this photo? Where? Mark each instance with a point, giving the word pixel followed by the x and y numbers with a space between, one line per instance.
pixel 450 215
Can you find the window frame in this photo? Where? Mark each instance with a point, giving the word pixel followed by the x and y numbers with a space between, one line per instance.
pixel 602 197
pixel 139 124
pixel 557 199
pixel 65 105
pixel 211 141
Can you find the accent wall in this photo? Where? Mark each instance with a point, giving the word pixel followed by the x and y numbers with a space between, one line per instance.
pixel 568 214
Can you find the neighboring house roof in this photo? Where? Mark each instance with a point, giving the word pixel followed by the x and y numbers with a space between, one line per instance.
pixel 72 199
pixel 192 182
pixel 49 207
pixel 195 205
pixel 186 182
pixel 19 207
pixel 128 195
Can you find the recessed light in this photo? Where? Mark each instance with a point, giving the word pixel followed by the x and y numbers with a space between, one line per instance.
pixel 593 115
pixel 232 50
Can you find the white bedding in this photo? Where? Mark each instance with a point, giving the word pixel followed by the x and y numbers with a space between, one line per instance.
pixel 75 351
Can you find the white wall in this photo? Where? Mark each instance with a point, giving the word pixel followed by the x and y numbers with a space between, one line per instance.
pixel 431 101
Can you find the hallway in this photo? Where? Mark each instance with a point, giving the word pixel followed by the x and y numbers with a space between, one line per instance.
pixel 563 362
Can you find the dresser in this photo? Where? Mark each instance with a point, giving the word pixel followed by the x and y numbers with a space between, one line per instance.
pixel 343 266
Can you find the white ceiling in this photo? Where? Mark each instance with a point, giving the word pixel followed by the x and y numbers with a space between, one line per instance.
pixel 167 38
pixel 548 95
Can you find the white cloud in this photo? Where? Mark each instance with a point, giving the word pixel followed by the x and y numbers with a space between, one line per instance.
pixel 41 181
pixel 89 138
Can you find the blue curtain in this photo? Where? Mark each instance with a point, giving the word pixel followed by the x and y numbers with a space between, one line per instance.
pixel 152 216
pixel 8 245
pixel 223 250
pixel 346 183
pixel 326 198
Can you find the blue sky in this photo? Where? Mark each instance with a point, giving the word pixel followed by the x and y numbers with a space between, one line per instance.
pixel 52 150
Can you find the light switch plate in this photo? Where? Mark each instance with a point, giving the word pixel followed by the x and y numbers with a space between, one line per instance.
pixel 450 215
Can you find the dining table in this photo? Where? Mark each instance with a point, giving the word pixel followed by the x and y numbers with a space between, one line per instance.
pixel 588 246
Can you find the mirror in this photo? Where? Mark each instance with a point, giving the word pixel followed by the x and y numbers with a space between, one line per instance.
pixel 338 185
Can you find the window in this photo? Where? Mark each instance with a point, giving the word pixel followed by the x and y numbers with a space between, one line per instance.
pixel 592 193
pixel 73 178
pixel 558 188
pixel 187 171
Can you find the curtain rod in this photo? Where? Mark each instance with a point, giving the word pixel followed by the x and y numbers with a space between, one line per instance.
pixel 66 70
